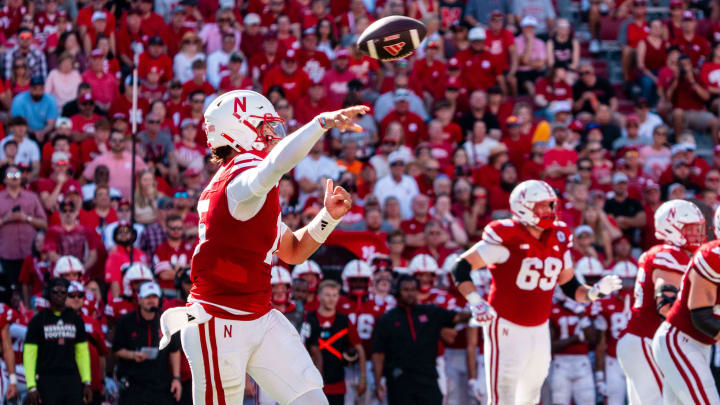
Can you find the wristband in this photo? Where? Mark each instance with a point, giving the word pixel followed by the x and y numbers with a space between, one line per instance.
pixel 593 294
pixel 13 378
pixel 32 389
pixel 323 124
pixel 322 225
pixel 599 375
pixel 177 377
pixel 474 298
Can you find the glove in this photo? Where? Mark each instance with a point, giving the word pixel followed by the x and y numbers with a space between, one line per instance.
pixel 482 314
pixel 606 286
pixel 600 384
pixel 111 389
pixel 476 390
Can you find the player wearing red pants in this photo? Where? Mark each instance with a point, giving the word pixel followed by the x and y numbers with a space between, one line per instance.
pixel 527 256
pixel 681 226
pixel 230 328
pixel 683 342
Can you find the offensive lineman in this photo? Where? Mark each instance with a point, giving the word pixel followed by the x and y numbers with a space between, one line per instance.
pixel 681 226
pixel 682 343
pixel 230 328
pixel 527 256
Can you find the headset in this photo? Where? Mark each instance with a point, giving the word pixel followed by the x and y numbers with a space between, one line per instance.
pixel 51 284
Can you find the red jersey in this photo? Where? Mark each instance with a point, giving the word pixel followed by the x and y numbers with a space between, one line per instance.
pixel 119 307
pixel 710 75
pixel 636 33
pixel 705 263
pixel 429 77
pixel 412 123
pixel 167 258
pixel 553 91
pixel 231 264
pixel 18 320
pixel 98 348
pixel 645 319
pixel 481 72
pixel 612 314
pixel 697 48
pixel 34 272
pixel 525 269
pixel 363 315
pixel 565 318
pixel 295 85
pixel 498 45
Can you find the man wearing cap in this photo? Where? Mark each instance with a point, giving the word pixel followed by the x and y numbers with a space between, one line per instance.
pixel 293 80
pixel 591 91
pixel 477 63
pixel 252 38
pixel 147 376
pixel 311 60
pixel 103 84
pixel 83 123
pixel 428 73
pixel 500 43
pixel 28 151
pixel 172 256
pixel 84 17
pixel 397 184
pixel 690 42
pixel 559 161
pixel 59 183
pixel 38 108
pixel 35 59
pixel 314 103
pixel 336 79
pixel 632 31
pixel 270 56
pixel 630 138
pixel 532 54
pixel 628 213
pixel 70 238
pixel 543 11
pixel 218 61
pixel 413 125
pixel 155 56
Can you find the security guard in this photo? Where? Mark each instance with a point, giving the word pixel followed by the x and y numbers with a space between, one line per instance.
pixel 56 352
pixel 405 347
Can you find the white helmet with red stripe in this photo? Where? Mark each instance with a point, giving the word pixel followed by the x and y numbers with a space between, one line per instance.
pixel 308 267
pixel 244 120
pixel 423 263
pixel 136 272
pixel 66 265
pixel 588 267
pixel 356 269
pixel 280 275
pixel 625 269
pixel 680 223
pixel 523 199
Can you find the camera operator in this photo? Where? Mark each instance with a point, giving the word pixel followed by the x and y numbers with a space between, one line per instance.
pixel 144 371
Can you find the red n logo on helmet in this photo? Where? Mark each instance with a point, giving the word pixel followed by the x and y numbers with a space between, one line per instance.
pixel 242 104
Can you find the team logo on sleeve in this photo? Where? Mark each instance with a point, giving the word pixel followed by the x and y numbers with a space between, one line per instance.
pixel 560 236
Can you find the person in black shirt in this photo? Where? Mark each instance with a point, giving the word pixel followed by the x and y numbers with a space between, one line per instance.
pixel 332 341
pixel 591 91
pixel 56 351
pixel 143 371
pixel 627 213
pixel 405 347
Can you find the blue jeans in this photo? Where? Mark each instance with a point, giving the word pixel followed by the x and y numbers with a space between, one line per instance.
pixel 649 89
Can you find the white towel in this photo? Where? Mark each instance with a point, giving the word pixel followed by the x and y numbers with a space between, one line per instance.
pixel 175 319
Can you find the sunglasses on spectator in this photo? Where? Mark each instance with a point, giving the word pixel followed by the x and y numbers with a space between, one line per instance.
pixel 396 242
pixel 432 169
pixel 595 150
pixel 67 210
pixel 397 163
pixel 585 168
pixel 153 122
pixel 76 295
pixel 175 228
pixel 168 207
pixel 713 179
pixel 15 174
pixel 181 194
pixel 223 20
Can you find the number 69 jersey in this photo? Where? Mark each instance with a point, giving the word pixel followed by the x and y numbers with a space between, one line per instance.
pixel 524 269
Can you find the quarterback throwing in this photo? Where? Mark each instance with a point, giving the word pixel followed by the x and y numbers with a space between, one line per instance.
pixel 230 328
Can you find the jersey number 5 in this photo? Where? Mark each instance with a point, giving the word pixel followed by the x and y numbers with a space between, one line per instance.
pixel 538 273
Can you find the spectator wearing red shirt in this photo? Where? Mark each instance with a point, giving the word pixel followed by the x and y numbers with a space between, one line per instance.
pixel 314 62
pixel 651 56
pixel 413 124
pixel 710 78
pixel 688 99
pixel 500 43
pixel 70 238
pixel 263 62
pixel 293 81
pixel 104 85
pixel 234 78
pixel 690 43
pixel 428 73
pixel 124 236
pixel 314 103
pixel 157 58
pixel 172 256
pixel 488 175
pixel 252 38
pixel 153 24
pixel 440 148
pixel 499 195
pixel 102 212
pixel 84 18
pixel 97 144
pixel 632 32
pixel 414 228
pixel 83 123
pixel 198 82
pixel 336 80
pixel 479 71
pixel 553 88
pixel 59 182
pixel 518 143
pixel 35 270
pixel 132 33
pixel 561 160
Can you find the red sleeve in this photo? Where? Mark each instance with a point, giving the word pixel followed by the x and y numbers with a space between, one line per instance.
pixel 353 335
pixel 113 271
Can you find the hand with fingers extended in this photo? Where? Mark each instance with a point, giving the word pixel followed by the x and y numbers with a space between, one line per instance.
pixel 343 119
pixel 337 200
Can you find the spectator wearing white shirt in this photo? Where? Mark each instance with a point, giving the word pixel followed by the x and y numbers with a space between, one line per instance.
pixel 479 145
pixel 314 168
pixel 398 184
pixel 647 119
pixel 218 61
pixel 28 150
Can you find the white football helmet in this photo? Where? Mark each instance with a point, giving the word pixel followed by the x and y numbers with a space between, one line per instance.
pixel 588 267
pixel 136 272
pixel 67 265
pixel 280 275
pixel 680 223
pixel 356 269
pixel 716 223
pixel 523 199
pixel 625 269
pixel 449 263
pixel 423 263
pixel 306 267
pixel 244 120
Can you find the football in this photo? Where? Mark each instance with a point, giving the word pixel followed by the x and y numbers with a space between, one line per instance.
pixel 392 38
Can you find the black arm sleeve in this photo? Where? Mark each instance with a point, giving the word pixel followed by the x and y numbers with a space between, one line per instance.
pixel 704 321
pixel 461 271
pixel 570 288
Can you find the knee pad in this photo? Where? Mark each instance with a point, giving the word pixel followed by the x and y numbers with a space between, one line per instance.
pixel 313 397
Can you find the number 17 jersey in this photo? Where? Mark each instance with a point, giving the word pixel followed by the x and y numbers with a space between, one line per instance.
pixel 524 269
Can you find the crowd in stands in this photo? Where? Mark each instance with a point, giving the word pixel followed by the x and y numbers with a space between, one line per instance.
pixel 499 91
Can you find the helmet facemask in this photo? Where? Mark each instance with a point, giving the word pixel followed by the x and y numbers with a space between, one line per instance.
pixel 694 235
pixel 280 294
pixel 426 281
pixel 269 129
pixel 546 217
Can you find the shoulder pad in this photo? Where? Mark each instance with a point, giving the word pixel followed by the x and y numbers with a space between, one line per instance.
pixel 499 232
